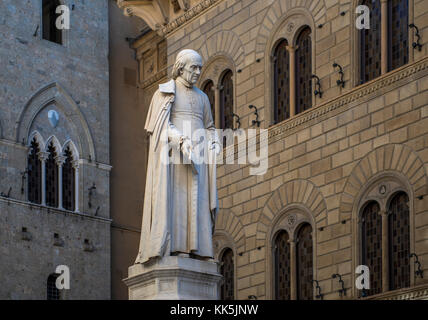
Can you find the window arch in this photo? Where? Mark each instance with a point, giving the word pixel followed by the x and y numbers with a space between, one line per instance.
pixel 51 177
pixel 208 88
pixel 281 82
pixel 371 245
pixel 227 270
pixel 52 291
pixel 34 167
pixel 68 181
pixel 226 100
pixel 398 37
pixel 282 266
pixel 399 241
pixel 49 30
pixel 303 64
pixel 304 259
pixel 370 44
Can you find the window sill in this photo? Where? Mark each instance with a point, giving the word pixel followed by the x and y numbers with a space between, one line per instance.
pixel 418 292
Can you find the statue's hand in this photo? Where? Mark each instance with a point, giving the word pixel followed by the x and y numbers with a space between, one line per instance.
pixel 186 148
pixel 216 146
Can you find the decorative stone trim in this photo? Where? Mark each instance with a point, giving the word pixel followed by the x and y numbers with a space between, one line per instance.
pixel 186 17
pixel 158 76
pixel 413 293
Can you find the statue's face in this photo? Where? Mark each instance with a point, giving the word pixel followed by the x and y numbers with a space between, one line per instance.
pixel 192 70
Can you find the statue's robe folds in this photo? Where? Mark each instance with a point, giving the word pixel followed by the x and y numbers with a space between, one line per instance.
pixel 180 200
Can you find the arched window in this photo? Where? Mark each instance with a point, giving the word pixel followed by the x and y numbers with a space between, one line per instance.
pixel 49 30
pixel 226 101
pixel 52 291
pixel 34 174
pixel 371 245
pixel 227 271
pixel 282 266
pixel 399 242
pixel 398 39
pixel 303 65
pixel 68 181
pixel 51 177
pixel 208 88
pixel 281 82
pixel 304 251
pixel 370 44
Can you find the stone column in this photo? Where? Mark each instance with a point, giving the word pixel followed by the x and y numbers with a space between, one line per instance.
pixel 292 54
pixel 384 36
pixel 75 165
pixel 59 160
pixel 217 120
pixel 385 255
pixel 293 270
pixel 43 156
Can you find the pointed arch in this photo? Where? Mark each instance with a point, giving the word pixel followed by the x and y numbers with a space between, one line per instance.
pixel 39 139
pixel 54 140
pixel 73 149
pixel 56 94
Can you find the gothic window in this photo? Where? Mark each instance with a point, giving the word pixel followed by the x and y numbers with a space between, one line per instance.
pixel 303 65
pixel 208 88
pixel 370 44
pixel 371 245
pixel 399 242
pixel 281 66
pixel 51 178
pixel 304 251
pixel 49 30
pixel 68 181
pixel 52 291
pixel 226 101
pixel 398 40
pixel 282 266
pixel 227 271
pixel 34 166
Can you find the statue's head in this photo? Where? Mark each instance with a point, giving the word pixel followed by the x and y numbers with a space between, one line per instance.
pixel 188 66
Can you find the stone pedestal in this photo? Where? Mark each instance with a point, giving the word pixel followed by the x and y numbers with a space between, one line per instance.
pixel 174 278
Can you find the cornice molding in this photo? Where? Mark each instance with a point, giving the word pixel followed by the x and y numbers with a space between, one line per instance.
pixel 187 16
pixel 155 13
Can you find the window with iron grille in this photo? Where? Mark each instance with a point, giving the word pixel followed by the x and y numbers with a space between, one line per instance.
pixel 227 271
pixel 51 178
pixel 399 242
pixel 208 88
pixel 304 251
pixel 281 71
pixel 49 30
pixel 371 245
pixel 370 44
pixel 68 181
pixel 303 62
pixel 52 291
pixel 226 101
pixel 398 36
pixel 34 166
pixel 282 266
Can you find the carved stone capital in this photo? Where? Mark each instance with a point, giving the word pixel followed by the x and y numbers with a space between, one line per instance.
pixel 60 160
pixel 43 156
pixel 75 164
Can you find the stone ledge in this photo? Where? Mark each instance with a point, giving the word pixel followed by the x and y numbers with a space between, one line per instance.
pixel 419 292
pixel 174 278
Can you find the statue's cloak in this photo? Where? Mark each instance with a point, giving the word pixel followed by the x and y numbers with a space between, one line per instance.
pixel 155 231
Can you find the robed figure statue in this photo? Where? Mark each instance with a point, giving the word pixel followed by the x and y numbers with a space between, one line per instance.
pixel 180 202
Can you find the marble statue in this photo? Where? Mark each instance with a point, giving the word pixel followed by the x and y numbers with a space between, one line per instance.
pixel 180 202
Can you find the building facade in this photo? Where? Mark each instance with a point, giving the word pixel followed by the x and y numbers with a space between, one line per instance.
pixel 54 149
pixel 347 117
